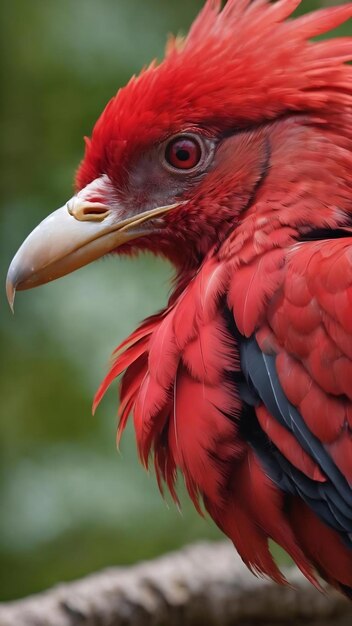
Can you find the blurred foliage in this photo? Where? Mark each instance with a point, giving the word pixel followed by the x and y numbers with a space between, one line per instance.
pixel 69 503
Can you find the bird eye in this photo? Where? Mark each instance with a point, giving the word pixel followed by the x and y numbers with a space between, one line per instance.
pixel 183 152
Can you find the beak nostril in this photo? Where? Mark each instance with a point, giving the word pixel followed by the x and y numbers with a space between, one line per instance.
pixel 97 210
pixel 87 211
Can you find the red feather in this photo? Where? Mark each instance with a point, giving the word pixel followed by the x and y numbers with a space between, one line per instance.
pixel 248 267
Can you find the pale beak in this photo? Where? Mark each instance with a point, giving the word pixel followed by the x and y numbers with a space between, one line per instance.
pixel 73 236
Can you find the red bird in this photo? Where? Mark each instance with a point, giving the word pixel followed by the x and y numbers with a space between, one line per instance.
pixel 233 159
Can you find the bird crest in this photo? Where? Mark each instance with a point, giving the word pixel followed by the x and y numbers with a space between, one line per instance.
pixel 242 64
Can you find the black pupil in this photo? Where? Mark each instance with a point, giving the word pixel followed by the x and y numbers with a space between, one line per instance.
pixel 182 154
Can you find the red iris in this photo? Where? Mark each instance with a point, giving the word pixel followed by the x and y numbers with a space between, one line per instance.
pixel 183 153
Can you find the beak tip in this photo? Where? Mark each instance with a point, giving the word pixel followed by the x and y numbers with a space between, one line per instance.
pixel 10 293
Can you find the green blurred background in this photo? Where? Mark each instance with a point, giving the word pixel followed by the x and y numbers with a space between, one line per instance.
pixel 69 503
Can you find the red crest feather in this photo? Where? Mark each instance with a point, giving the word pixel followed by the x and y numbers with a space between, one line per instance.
pixel 245 63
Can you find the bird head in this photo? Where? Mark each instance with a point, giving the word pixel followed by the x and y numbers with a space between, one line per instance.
pixel 176 157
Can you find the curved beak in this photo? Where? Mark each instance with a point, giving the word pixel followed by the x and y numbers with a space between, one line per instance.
pixel 73 236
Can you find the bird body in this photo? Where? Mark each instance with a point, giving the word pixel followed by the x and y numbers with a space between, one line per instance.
pixel 233 159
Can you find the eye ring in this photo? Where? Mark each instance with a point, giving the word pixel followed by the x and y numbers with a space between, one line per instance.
pixel 184 153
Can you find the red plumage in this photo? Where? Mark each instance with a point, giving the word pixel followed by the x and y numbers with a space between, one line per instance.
pixel 295 297
pixel 243 383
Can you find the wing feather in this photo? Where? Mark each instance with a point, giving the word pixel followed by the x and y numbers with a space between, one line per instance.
pixel 298 361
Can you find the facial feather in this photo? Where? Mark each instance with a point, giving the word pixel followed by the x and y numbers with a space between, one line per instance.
pixel 239 72
pixel 240 66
